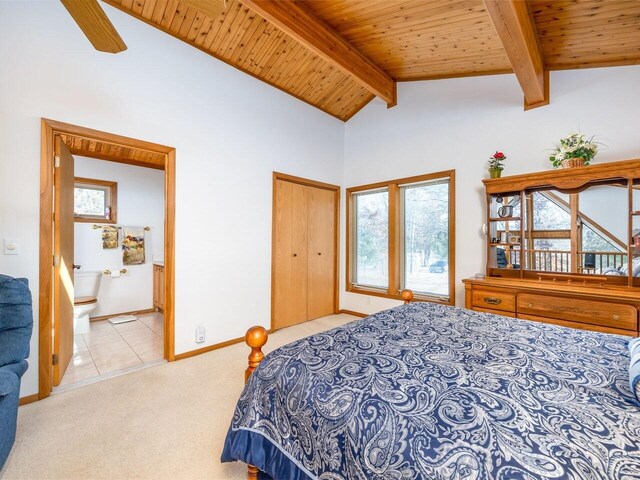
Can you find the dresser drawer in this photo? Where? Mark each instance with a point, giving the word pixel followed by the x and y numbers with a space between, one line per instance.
pixel 494 300
pixel 495 312
pixel 581 326
pixel 593 312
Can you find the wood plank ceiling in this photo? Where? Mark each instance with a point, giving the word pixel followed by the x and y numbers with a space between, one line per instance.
pixel 88 147
pixel 407 39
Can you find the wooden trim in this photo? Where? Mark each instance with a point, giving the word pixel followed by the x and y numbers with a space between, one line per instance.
pixel 28 399
pixel 304 181
pixel 49 129
pixel 517 31
pixel 112 315
pixel 208 348
pixel 120 140
pixel 113 200
pixel 354 313
pixel 565 178
pixel 309 183
pixel 402 181
pixel 395 282
pixel 169 254
pixel 45 274
pixel 573 207
pixel 393 244
pixel 311 32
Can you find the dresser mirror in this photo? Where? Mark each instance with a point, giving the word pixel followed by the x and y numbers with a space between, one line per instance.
pixel 569 227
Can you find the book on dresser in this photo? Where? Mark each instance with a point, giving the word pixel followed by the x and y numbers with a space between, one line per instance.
pixel 561 248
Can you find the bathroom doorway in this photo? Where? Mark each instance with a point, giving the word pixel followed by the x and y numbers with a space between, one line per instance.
pixel 88 327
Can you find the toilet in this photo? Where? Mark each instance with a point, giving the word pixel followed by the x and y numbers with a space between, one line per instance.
pixel 85 300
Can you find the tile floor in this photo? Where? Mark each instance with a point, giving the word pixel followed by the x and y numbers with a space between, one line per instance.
pixel 108 348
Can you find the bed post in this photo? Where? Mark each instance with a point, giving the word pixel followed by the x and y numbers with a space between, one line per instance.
pixel 256 337
pixel 407 296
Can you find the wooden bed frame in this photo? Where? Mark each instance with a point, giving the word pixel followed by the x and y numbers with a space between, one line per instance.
pixel 256 338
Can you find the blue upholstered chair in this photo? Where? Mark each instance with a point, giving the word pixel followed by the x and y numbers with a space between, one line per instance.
pixel 16 323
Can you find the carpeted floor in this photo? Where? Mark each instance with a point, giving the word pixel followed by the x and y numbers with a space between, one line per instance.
pixel 164 422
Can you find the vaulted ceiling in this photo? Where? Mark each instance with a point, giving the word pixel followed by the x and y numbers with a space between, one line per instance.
pixel 337 55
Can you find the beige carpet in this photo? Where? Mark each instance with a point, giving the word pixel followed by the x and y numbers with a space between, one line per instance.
pixel 167 421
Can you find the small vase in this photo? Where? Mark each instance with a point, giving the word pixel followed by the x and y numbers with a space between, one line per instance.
pixel 495 172
pixel 573 162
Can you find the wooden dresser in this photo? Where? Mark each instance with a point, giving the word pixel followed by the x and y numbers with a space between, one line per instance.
pixel 588 307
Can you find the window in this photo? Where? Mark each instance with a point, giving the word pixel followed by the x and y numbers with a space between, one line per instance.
pixel 94 200
pixel 401 235
pixel 372 238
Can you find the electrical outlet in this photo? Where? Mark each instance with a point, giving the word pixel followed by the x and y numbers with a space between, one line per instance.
pixel 200 334
pixel 11 246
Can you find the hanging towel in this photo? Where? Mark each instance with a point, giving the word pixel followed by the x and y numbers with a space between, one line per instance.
pixel 109 237
pixel 132 245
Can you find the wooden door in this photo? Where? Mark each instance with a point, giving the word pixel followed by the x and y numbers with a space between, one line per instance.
pixel 63 260
pixel 322 252
pixel 289 254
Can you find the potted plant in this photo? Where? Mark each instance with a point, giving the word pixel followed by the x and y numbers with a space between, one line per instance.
pixel 496 164
pixel 574 151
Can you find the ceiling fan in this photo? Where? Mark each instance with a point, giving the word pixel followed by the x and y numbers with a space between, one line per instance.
pixel 97 27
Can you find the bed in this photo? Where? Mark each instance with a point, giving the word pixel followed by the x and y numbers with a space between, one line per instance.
pixel 425 391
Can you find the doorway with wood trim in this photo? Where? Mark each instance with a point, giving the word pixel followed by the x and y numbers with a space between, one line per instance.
pixel 304 265
pixel 60 142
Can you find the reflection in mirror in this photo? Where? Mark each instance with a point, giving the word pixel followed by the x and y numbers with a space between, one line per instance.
pixel 603 230
pixel 583 233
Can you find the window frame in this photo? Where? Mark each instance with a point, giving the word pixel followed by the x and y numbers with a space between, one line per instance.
pixel 395 242
pixel 112 187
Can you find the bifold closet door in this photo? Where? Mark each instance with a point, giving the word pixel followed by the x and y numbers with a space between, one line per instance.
pixel 290 254
pixel 322 254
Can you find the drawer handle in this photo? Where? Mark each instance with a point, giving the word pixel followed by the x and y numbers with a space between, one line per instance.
pixel 492 300
pixel 615 316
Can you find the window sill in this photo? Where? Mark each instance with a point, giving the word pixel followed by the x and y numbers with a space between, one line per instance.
pixel 94 220
pixel 397 296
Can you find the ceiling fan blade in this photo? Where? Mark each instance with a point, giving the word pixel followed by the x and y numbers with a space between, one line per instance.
pixel 95 24
pixel 211 8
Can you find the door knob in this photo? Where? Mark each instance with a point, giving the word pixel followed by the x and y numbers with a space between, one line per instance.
pixel 319 253
pixel 76 267
pixel 295 254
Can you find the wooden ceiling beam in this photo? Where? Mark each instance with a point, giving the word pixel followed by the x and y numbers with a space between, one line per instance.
pixel 295 20
pixel 516 29
pixel 211 8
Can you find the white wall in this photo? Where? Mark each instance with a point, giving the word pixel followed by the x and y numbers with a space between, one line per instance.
pixel 140 202
pixel 459 123
pixel 230 131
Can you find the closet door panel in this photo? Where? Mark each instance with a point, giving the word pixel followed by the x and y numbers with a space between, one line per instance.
pixel 321 283
pixel 290 269
pixel 299 239
pixel 282 260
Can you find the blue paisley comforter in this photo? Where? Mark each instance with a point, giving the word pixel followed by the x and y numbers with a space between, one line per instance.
pixel 424 391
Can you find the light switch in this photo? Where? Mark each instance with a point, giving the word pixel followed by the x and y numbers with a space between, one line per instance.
pixel 11 246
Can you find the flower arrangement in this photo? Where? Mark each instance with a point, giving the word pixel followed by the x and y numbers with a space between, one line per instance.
pixel 496 164
pixel 574 150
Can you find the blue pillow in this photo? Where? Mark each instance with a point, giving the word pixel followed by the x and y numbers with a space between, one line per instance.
pixel 634 367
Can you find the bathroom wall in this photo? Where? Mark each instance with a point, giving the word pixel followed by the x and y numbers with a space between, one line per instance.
pixel 140 203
